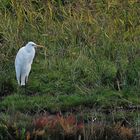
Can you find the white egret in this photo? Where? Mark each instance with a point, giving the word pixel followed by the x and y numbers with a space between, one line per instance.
pixel 23 62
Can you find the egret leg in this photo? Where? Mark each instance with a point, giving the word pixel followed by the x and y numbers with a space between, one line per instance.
pixel 18 89
pixel 25 89
pixel 26 85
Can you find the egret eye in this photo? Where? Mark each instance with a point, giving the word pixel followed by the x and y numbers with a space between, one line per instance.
pixel 33 45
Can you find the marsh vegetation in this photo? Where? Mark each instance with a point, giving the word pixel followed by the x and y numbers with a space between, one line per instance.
pixel 91 67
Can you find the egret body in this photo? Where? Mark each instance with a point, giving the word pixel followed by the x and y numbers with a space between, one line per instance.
pixel 23 62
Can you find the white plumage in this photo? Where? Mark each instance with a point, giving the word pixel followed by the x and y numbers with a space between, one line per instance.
pixel 23 62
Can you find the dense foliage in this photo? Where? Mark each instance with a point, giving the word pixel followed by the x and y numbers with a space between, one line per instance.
pixel 91 67
pixel 92 46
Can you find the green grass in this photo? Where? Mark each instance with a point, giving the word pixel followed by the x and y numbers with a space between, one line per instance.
pixel 92 55
pixel 99 99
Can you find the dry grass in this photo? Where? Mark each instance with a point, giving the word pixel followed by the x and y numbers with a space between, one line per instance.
pixel 92 58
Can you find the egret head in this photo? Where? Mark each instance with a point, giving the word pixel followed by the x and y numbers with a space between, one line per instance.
pixel 32 44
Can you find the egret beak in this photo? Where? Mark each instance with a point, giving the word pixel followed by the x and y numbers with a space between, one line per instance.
pixel 39 46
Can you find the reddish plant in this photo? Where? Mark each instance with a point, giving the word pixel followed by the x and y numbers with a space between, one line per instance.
pixel 69 124
pixel 40 122
pixel 43 121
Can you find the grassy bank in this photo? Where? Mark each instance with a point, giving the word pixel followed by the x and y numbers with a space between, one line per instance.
pixel 92 63
pixel 92 58
pixel 90 46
